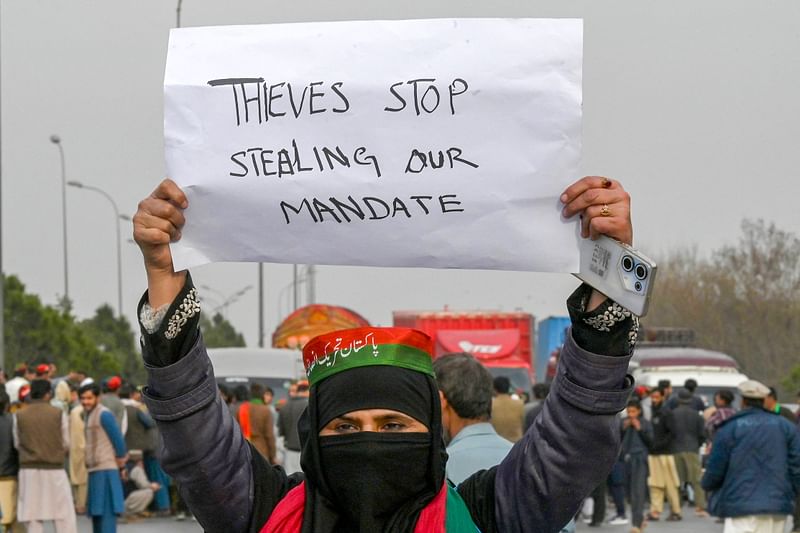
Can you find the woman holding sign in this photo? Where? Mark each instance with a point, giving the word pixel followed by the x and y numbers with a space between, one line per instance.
pixel 373 457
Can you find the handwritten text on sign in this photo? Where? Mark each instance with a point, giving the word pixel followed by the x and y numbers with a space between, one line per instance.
pixel 434 143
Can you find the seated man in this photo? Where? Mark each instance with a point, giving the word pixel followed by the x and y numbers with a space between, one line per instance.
pixel 139 490
pixel 373 456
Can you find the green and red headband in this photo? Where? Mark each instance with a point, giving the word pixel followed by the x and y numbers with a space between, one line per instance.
pixel 331 353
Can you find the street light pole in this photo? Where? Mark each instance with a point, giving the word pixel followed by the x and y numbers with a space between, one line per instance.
pixel 117 218
pixel 178 14
pixel 55 139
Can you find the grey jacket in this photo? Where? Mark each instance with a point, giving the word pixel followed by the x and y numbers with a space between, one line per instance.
pixel 538 487
pixel 689 428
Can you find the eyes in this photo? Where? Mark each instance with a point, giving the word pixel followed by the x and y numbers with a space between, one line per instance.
pixel 345 426
pixel 375 420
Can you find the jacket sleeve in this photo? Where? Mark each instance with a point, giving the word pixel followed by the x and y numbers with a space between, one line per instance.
pixel 718 461
pixel 701 430
pixel 646 433
pixel 145 419
pixel 794 459
pixel 202 447
pixel 574 442
pixel 569 449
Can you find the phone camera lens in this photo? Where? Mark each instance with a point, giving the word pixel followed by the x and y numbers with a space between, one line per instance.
pixel 638 286
pixel 641 271
pixel 627 263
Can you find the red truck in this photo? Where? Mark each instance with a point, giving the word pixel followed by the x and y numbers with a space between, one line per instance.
pixel 503 342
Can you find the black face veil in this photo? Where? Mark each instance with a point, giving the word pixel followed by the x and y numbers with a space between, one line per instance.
pixel 371 481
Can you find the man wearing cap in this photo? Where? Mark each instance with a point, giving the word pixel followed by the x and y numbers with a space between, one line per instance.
pixel 111 401
pixel 373 457
pixel 753 471
pixel 14 384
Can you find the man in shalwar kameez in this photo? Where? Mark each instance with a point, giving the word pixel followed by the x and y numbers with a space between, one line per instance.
pixel 41 435
pixel 105 455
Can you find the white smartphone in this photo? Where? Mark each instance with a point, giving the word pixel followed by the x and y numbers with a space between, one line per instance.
pixel 623 274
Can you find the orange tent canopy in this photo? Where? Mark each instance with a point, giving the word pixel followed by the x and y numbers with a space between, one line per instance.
pixel 311 320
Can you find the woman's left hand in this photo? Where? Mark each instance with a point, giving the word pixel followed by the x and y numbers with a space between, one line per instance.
pixel 604 206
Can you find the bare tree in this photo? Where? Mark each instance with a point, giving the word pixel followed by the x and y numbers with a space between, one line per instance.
pixel 743 300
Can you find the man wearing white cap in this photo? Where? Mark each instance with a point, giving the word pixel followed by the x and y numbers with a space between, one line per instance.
pixel 754 467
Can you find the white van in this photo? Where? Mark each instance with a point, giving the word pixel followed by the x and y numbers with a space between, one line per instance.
pixel 273 367
pixel 712 370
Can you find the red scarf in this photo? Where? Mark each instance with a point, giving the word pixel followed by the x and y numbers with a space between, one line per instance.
pixel 244 419
pixel 287 517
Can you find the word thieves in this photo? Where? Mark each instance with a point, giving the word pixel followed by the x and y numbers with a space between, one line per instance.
pixel 427 143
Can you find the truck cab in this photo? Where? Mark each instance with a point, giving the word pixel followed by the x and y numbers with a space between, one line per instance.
pixel 501 341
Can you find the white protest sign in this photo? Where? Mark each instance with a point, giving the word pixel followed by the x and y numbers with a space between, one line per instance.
pixel 426 143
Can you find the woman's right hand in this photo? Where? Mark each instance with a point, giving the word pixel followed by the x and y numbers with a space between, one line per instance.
pixel 158 222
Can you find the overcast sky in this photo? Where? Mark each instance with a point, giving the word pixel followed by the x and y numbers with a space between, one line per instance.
pixel 692 105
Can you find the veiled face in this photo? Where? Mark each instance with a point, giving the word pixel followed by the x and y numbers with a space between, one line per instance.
pixel 377 420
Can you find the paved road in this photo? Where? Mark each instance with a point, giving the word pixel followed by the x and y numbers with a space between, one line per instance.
pixel 150 525
pixel 690 524
pixel 170 525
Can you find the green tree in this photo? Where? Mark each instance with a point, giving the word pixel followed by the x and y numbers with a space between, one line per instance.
pixel 36 332
pixel 743 300
pixel 219 333
pixel 115 339
pixel 792 381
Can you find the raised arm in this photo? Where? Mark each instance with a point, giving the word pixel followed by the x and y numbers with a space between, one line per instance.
pixel 202 447
pixel 573 443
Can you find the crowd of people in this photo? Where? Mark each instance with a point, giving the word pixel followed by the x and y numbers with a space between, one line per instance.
pixel 71 445
pixel 750 456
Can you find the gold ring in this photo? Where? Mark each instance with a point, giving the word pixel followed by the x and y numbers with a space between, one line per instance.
pixel 605 183
pixel 605 211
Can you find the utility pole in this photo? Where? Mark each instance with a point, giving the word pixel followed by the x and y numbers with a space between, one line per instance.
pixel 311 290
pixel 261 305
pixel 295 288
pixel 2 274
